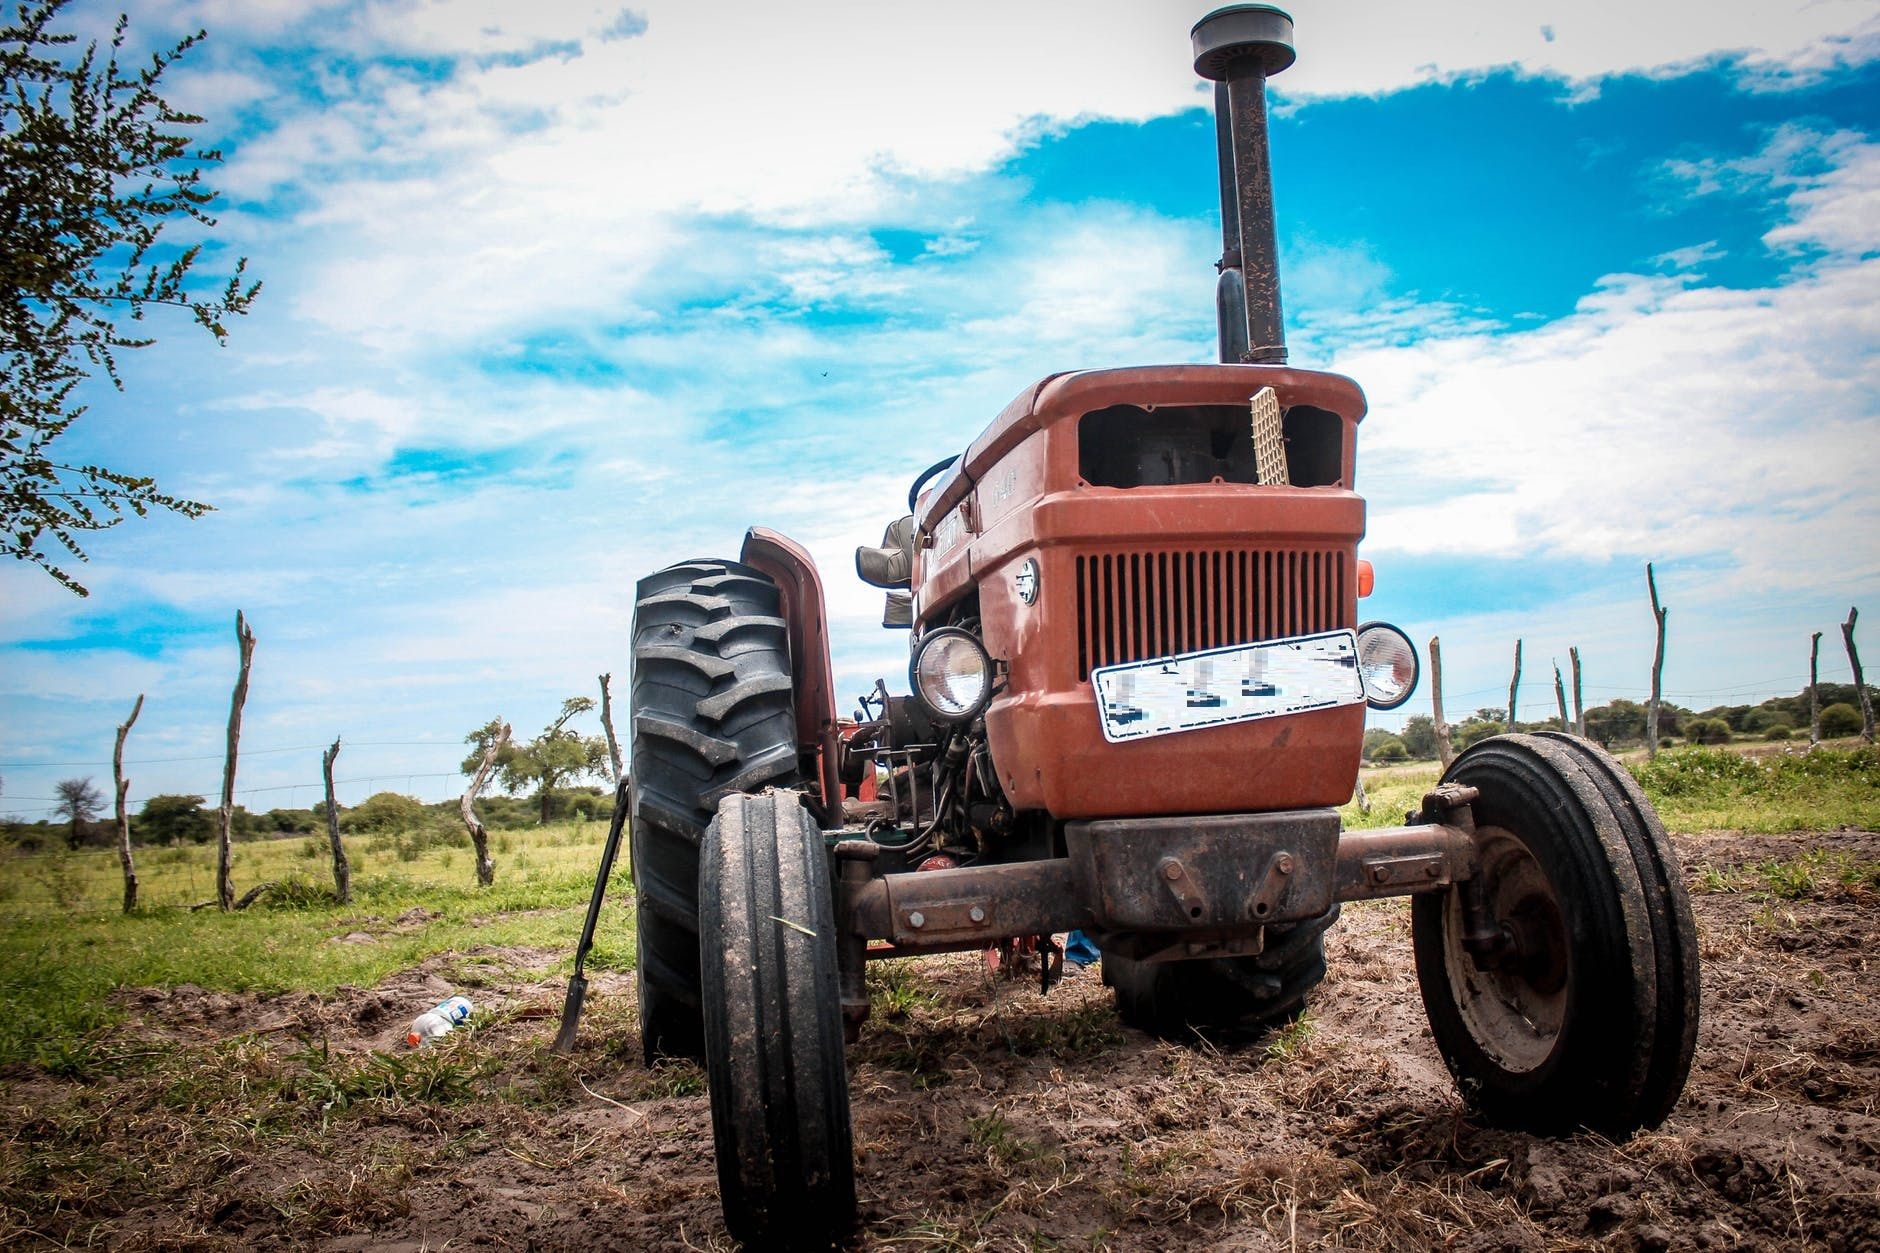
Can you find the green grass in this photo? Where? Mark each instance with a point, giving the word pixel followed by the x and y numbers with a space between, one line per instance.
pixel 1713 789
pixel 1699 789
pixel 1817 874
pixel 62 955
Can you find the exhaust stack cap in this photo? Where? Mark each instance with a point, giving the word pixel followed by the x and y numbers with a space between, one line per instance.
pixel 1226 35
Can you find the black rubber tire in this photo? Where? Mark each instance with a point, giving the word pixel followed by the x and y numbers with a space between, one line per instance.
pixel 712 714
pixel 1613 1028
pixel 773 1026
pixel 1223 996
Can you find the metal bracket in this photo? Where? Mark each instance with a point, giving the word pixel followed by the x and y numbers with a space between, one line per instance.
pixel 1182 886
pixel 1278 877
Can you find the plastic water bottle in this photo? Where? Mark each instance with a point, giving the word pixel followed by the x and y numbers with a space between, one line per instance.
pixel 438 1020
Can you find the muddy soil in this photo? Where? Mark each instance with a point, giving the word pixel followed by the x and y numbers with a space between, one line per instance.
pixel 989 1116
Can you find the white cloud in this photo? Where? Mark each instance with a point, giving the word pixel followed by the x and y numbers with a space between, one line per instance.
pixel 1660 419
pixel 549 188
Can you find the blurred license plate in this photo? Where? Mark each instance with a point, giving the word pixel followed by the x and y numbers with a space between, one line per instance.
pixel 1143 698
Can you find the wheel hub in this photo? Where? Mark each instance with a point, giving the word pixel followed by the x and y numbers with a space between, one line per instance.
pixel 1513 990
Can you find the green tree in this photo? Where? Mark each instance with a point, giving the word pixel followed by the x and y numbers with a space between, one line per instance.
pixel 94 166
pixel 557 756
pixel 1616 721
pixel 1419 737
pixel 170 819
pixel 1474 730
pixel 78 804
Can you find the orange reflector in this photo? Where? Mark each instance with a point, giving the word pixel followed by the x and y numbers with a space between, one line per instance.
pixel 1367 578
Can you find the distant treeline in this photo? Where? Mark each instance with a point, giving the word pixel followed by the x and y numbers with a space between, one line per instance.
pixel 187 819
pixel 1621 724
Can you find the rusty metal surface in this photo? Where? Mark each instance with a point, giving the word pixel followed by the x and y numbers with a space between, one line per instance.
pixel 1259 243
pixel 1401 861
pixel 1205 873
pixel 790 566
pixel 971 906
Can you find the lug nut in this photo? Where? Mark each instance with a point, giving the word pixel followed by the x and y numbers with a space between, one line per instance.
pixel 917 920
pixel 976 914
pixel 1284 863
pixel 1173 870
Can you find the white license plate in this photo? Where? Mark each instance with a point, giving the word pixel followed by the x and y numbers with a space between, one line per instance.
pixel 1240 684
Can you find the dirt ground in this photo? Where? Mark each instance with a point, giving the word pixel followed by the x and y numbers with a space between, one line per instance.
pixel 986 1116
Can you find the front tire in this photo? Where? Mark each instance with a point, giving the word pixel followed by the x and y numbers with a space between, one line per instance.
pixel 773 1026
pixel 712 714
pixel 1223 995
pixel 1587 1015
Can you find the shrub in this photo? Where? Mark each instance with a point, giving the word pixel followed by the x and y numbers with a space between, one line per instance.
pixel 1838 720
pixel 1707 731
pixel 1391 749
pixel 384 811
pixel 1778 732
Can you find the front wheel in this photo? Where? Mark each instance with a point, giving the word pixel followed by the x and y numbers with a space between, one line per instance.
pixel 773 1025
pixel 1582 1008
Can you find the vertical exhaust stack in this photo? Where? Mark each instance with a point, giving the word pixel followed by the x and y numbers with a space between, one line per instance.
pixel 1239 48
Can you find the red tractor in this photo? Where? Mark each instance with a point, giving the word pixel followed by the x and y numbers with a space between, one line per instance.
pixel 1138 690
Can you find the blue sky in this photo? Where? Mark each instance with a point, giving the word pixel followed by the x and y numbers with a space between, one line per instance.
pixel 558 295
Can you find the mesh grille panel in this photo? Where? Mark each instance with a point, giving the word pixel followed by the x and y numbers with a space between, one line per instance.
pixel 1138 605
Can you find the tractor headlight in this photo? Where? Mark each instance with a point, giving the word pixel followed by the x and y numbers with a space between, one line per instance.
pixel 1387 665
pixel 952 674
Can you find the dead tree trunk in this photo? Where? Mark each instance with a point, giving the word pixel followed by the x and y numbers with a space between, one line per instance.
pixel 1444 748
pixel 124 818
pixel 1860 684
pixel 224 889
pixel 1514 686
pixel 486 869
pixel 1579 701
pixel 1814 690
pixel 1659 614
pixel 1560 695
pixel 342 869
pixel 607 724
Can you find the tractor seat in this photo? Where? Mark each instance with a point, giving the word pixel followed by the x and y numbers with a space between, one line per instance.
pixel 891 566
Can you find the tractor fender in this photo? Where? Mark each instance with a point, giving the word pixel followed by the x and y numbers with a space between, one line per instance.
pixel 805 616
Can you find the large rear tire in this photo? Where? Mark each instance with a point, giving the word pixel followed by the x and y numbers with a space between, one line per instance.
pixel 712 714
pixel 1587 1014
pixel 773 1026
pixel 1223 995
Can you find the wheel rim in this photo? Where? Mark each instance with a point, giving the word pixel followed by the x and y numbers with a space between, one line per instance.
pixel 1515 1010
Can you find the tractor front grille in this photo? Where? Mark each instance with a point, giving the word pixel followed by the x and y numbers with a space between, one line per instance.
pixel 1137 605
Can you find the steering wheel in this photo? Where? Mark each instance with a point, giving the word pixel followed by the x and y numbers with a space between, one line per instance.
pixel 913 493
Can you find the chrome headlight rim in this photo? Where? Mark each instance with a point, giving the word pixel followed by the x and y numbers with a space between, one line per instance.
pixel 937 638
pixel 1373 629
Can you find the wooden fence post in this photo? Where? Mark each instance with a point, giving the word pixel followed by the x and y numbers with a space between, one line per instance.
pixel 123 817
pixel 1860 684
pixel 486 868
pixel 1814 690
pixel 1444 749
pixel 224 888
pixel 1514 685
pixel 1659 614
pixel 1560 695
pixel 342 869
pixel 1579 702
